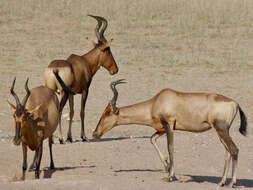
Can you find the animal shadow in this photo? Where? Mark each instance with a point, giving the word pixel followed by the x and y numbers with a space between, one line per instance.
pixel 138 170
pixel 213 179
pixel 49 172
pixel 117 139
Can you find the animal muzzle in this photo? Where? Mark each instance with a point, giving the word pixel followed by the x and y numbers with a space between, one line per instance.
pixel 96 135
pixel 17 139
pixel 114 71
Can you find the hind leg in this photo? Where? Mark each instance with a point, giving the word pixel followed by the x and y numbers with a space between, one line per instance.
pixel 163 159
pixel 50 142
pixel 63 100
pixel 226 169
pixel 232 150
pixel 82 114
pixel 170 144
pixel 71 114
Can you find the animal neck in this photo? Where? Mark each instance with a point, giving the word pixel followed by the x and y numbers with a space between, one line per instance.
pixel 92 58
pixel 139 114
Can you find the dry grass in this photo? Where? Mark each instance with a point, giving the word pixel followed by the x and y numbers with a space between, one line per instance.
pixel 202 32
pixel 168 40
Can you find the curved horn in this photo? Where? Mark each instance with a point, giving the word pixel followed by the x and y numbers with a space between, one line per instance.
pixel 97 27
pixel 115 92
pixel 105 23
pixel 27 93
pixel 14 94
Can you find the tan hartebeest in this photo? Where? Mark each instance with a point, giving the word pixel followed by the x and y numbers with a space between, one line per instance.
pixel 171 110
pixel 77 72
pixel 36 118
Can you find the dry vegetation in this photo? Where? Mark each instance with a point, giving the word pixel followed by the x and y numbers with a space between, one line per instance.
pixel 189 45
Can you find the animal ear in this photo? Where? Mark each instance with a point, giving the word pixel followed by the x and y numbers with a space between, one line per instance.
pixel 92 42
pixel 12 106
pixel 105 45
pixel 34 110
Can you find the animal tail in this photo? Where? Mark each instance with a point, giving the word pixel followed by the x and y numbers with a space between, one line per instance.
pixel 243 126
pixel 63 85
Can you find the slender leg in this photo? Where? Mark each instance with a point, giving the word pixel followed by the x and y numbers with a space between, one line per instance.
pixel 71 114
pixel 33 165
pixel 50 140
pixel 82 114
pixel 232 149
pixel 24 148
pixel 37 170
pixel 64 98
pixel 226 169
pixel 163 159
pixel 170 144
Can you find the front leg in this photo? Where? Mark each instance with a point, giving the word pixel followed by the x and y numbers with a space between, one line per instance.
pixel 37 170
pixel 33 165
pixel 24 148
pixel 82 114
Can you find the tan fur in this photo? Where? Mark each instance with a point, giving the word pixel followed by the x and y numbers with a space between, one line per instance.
pixel 193 112
pixel 65 72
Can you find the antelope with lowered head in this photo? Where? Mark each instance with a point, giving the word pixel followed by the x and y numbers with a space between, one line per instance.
pixel 36 119
pixel 78 71
pixel 171 110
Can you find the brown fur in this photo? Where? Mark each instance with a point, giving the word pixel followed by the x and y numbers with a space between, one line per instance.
pixel 77 72
pixel 39 120
pixel 36 119
pixel 171 110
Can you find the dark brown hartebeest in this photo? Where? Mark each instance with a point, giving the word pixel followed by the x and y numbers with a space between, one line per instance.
pixel 78 71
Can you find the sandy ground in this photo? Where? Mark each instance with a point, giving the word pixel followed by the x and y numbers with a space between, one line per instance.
pixel 124 157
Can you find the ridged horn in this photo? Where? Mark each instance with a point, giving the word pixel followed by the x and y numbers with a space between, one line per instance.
pixel 115 92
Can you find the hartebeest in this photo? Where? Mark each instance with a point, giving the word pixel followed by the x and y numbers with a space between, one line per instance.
pixel 78 71
pixel 36 118
pixel 171 110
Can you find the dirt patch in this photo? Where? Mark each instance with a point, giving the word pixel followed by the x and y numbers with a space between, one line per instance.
pixel 167 50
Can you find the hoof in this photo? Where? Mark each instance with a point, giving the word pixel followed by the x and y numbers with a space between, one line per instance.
pixel 221 184
pixel 69 139
pixel 61 141
pixel 232 185
pixel 37 175
pixel 171 178
pixel 85 139
pixel 52 167
pixel 31 168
